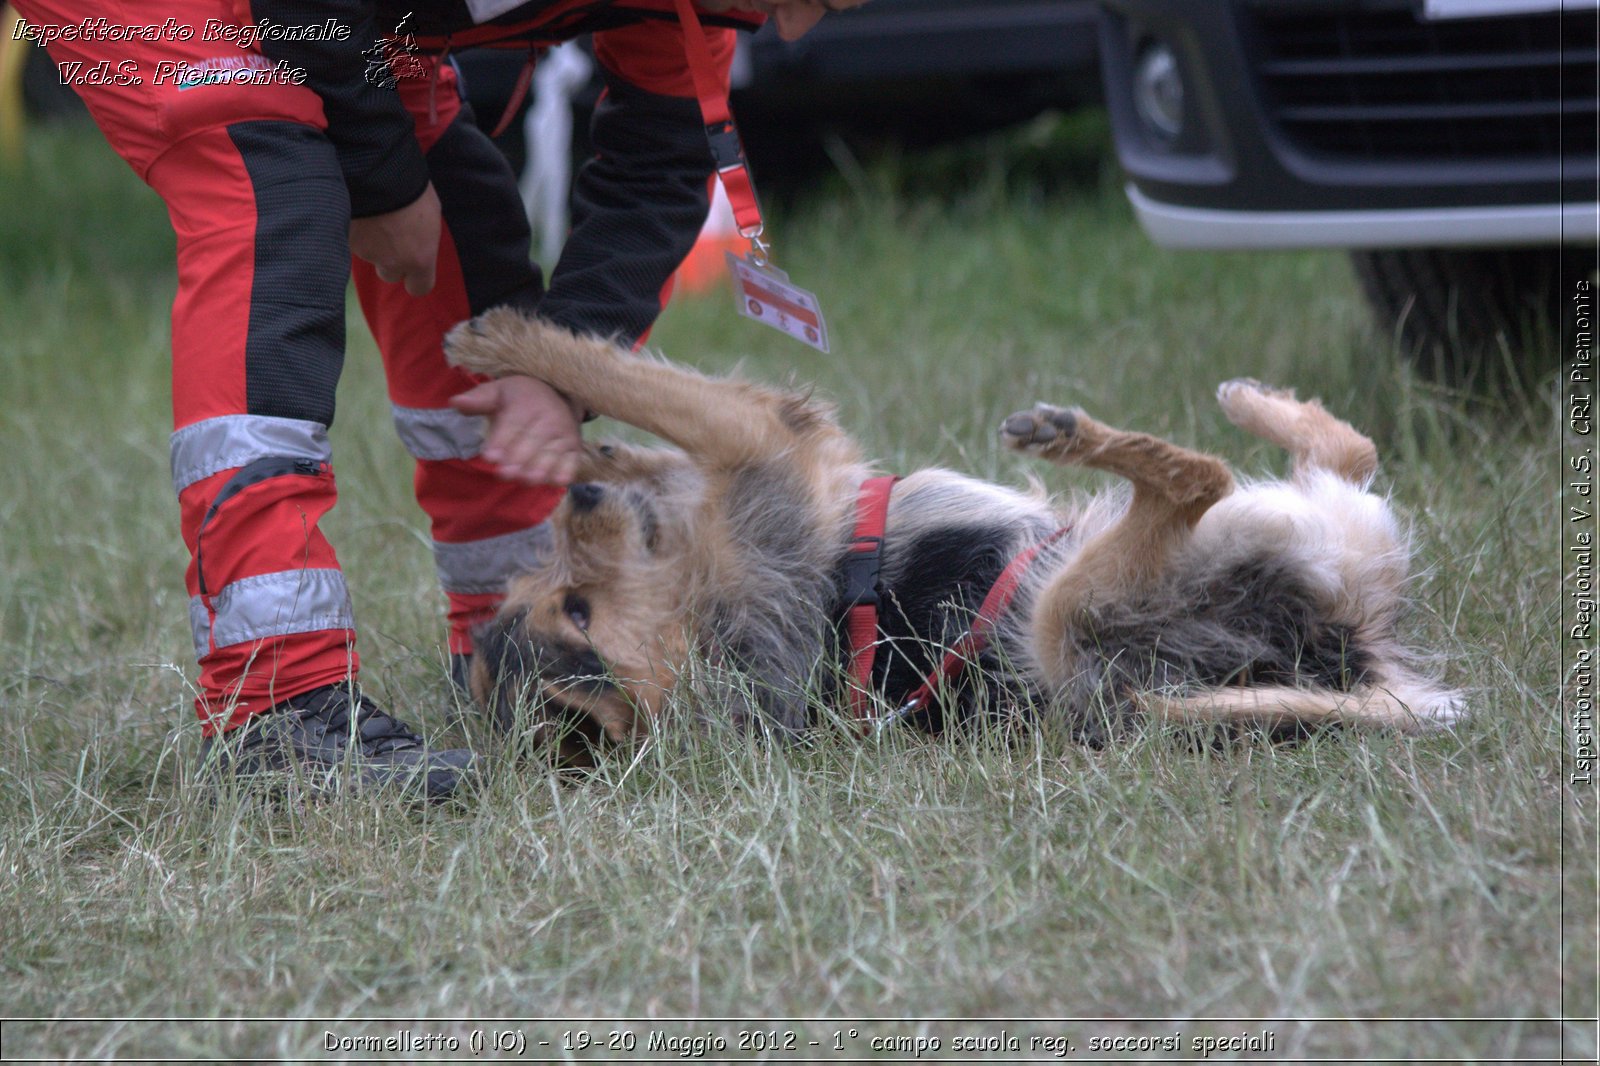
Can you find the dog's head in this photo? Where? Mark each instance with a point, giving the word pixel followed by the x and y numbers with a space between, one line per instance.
pixel 590 643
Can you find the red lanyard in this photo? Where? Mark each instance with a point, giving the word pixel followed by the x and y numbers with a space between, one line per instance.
pixel 726 148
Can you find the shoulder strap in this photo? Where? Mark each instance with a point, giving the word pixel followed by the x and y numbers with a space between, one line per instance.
pixel 726 148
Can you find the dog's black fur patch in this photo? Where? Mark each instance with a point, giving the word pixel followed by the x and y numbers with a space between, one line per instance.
pixel 1254 623
pixel 930 590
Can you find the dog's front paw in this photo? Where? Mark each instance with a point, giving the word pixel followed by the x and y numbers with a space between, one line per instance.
pixel 500 341
pixel 468 346
pixel 1044 426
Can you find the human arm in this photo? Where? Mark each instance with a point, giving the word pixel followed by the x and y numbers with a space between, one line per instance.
pixel 639 202
pixel 794 18
pixel 395 220
pixel 370 129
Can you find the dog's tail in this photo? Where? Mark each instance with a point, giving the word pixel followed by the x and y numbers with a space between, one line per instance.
pixel 1413 706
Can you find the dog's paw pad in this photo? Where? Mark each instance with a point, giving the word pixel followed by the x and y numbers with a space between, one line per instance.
pixel 1021 429
pixel 1040 426
pixel 1063 418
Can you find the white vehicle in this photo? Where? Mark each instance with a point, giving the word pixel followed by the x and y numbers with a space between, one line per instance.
pixel 1449 144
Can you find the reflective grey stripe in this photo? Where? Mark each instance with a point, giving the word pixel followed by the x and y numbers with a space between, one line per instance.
pixel 271 605
pixel 438 432
pixel 218 444
pixel 483 566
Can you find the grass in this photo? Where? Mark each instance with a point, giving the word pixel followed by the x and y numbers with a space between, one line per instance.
pixel 1365 877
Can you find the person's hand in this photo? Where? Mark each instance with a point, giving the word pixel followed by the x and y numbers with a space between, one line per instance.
pixel 403 245
pixel 533 429
pixel 794 17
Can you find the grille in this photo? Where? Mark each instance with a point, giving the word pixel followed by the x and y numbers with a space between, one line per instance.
pixel 1386 85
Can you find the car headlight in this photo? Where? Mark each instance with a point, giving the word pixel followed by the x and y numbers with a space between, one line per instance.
pixel 1158 92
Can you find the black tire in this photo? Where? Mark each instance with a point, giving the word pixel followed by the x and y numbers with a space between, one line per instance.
pixel 1459 313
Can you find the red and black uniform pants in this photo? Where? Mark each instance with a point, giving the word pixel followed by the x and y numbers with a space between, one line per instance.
pixel 258 202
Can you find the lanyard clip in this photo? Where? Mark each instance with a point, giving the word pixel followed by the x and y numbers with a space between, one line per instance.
pixel 727 151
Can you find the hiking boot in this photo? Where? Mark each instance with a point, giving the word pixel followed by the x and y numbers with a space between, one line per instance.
pixel 333 731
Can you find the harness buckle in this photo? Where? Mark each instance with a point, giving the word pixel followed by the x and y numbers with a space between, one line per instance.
pixel 861 568
pixel 899 715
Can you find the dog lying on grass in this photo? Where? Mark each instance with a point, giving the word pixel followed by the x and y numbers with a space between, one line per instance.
pixel 1193 599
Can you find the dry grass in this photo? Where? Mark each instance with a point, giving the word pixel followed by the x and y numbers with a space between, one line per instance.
pixel 1376 877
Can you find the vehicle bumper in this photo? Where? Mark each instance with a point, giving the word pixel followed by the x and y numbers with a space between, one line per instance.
pixel 1179 226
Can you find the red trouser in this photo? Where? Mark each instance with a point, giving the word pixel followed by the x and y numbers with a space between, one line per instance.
pixel 257 200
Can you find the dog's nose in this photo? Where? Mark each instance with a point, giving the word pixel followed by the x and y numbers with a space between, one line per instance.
pixel 584 495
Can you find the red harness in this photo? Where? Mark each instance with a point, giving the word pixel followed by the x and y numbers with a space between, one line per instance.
pixel 861 591
pixel 861 597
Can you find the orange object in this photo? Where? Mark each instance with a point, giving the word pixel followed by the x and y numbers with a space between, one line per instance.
pixel 706 265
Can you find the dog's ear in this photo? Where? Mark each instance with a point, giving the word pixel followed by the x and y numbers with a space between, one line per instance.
pixel 503 668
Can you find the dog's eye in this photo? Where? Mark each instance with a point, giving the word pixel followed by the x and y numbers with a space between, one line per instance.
pixel 576 608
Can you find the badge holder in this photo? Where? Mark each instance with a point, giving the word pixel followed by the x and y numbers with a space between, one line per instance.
pixel 762 292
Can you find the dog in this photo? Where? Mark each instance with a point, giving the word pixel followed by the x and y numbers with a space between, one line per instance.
pixel 719 568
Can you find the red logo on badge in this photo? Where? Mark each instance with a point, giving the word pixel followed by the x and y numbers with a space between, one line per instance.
pixel 755 308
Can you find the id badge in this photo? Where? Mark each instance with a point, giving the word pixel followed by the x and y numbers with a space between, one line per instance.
pixel 764 294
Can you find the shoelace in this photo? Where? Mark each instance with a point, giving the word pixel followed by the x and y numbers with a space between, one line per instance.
pixel 378 731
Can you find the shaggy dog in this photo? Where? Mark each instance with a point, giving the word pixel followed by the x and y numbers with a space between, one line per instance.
pixel 1190 599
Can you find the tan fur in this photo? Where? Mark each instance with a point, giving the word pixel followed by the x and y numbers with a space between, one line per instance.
pixel 1315 439
pixel 1280 706
pixel 1172 488
pixel 723 424
pixel 723 548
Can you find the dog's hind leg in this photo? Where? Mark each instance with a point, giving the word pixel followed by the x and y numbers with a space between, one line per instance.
pixel 1316 439
pixel 1172 488
pixel 1410 708
pixel 718 421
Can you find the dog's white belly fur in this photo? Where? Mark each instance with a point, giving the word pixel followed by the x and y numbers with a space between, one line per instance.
pixel 1347 545
pixel 1345 542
